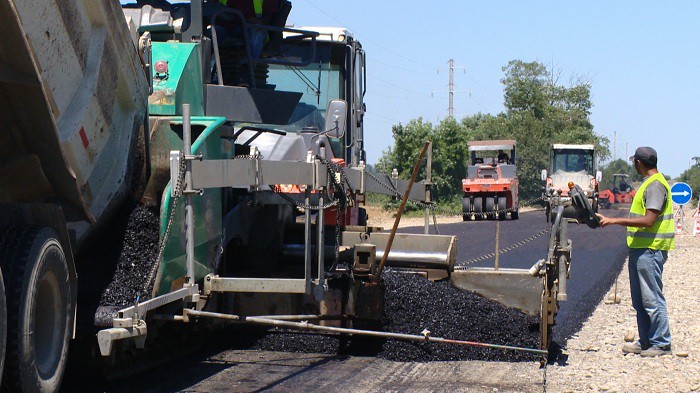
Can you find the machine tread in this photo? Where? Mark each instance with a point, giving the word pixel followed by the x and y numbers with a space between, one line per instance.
pixel 11 244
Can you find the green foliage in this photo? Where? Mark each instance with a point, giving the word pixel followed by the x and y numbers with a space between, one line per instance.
pixel 692 177
pixel 539 112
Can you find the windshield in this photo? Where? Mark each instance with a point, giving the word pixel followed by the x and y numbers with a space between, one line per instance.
pixel 573 160
pixel 319 82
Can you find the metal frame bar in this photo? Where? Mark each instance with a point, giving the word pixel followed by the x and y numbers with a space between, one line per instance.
pixel 214 283
pixel 256 173
pixel 425 334
pixel 126 316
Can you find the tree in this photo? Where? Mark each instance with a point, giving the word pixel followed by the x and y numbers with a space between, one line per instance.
pixel 539 111
pixel 692 177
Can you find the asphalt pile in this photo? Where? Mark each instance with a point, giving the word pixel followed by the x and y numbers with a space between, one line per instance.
pixel 137 256
pixel 412 305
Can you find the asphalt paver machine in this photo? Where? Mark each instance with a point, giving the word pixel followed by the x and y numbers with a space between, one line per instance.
pixel 261 185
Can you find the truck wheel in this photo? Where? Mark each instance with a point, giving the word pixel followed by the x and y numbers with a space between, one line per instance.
pixel 40 309
pixel 514 214
pixel 466 208
pixel 3 324
pixel 502 202
pixel 478 207
pixel 490 207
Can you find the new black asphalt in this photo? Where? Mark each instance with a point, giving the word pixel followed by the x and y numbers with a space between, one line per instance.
pixel 597 257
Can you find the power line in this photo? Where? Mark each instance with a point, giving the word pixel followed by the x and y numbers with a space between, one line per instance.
pixel 373 77
pixel 373 60
pixel 402 97
pixel 386 119
pixel 365 38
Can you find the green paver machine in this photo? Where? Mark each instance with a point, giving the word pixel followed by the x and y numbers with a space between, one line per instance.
pixel 261 185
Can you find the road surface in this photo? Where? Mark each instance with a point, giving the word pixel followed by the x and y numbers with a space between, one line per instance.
pixel 221 365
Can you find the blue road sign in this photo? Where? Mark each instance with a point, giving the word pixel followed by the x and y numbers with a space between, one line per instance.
pixel 681 193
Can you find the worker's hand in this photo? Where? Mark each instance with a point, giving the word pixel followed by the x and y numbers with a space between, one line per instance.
pixel 605 221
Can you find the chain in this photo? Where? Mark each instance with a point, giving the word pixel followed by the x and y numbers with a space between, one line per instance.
pixel 173 209
pixel 544 376
pixel 464 265
pixel 381 183
pixel 432 208
pixel 171 216
pixel 449 212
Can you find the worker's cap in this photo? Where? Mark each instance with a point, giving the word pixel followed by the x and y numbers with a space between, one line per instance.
pixel 646 155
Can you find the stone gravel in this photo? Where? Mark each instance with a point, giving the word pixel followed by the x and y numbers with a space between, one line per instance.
pixel 138 253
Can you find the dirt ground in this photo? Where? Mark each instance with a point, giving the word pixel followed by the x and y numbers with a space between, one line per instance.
pixel 379 217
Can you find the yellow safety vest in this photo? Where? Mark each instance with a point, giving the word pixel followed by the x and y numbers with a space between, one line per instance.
pixel 257 6
pixel 659 236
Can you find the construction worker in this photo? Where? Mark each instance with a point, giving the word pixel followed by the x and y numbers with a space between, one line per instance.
pixel 650 235
pixel 230 36
pixel 503 157
pixel 256 12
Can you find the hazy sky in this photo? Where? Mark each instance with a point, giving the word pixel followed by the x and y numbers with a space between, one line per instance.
pixel 641 58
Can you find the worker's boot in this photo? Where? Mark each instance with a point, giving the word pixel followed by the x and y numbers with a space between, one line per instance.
pixel 635 348
pixel 655 351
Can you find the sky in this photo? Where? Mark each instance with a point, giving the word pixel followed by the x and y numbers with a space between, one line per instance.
pixel 641 58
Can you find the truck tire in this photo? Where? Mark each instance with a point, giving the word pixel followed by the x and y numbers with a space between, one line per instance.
pixel 40 309
pixel 502 205
pixel 514 214
pixel 490 207
pixel 479 207
pixel 466 208
pixel 3 325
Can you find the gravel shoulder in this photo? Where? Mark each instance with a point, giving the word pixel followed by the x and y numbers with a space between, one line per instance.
pixel 377 217
pixel 595 360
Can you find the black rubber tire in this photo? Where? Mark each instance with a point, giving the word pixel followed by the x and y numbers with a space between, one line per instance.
pixel 478 207
pixel 594 206
pixel 3 325
pixel 466 208
pixel 490 207
pixel 502 201
pixel 514 214
pixel 40 309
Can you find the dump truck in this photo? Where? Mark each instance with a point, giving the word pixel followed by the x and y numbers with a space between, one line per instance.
pixel 571 163
pixel 491 187
pixel 75 94
pixel 621 192
pixel 104 102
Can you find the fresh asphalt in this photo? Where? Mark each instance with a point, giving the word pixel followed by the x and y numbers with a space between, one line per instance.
pixel 597 257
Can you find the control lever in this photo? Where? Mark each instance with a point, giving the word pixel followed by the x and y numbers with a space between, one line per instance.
pixel 580 202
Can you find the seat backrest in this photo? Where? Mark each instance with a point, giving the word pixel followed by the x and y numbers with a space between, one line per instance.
pixel 280 20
